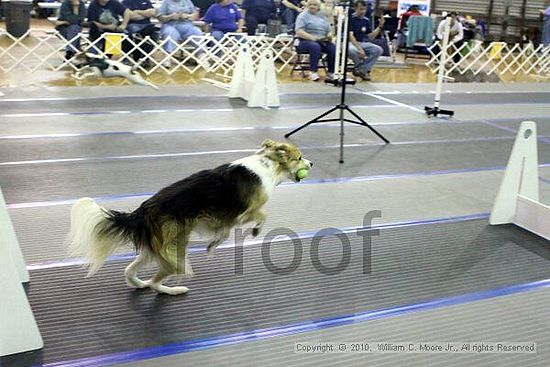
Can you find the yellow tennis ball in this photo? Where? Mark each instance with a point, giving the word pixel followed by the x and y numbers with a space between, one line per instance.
pixel 301 174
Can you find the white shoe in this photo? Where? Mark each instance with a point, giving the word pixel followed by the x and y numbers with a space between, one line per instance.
pixel 167 64
pixel 330 76
pixel 314 77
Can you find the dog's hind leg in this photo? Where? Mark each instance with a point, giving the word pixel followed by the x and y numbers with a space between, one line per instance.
pixel 131 271
pixel 165 270
pixel 172 258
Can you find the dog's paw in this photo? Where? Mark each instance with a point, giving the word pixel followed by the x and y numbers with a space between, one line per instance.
pixel 173 291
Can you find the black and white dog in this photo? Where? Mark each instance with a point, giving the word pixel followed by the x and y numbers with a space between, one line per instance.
pixel 98 66
pixel 214 200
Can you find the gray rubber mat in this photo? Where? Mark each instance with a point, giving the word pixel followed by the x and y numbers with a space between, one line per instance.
pixel 473 98
pixel 130 144
pixel 135 104
pixel 519 317
pixel 59 181
pixel 81 317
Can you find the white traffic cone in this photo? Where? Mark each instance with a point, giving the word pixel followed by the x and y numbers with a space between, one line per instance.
pixel 265 92
pixel 243 76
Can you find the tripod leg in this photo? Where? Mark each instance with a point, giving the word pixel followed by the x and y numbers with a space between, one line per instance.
pixel 316 119
pixel 341 135
pixel 366 124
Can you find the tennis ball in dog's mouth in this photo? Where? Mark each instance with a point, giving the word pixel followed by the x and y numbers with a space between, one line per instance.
pixel 301 174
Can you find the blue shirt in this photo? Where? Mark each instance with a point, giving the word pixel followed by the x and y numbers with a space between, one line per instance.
pixel 176 6
pixel 314 24
pixel 223 18
pixel 138 5
pixel 360 28
pixel 262 9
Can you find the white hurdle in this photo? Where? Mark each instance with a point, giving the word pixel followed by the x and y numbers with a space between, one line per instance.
pixel 18 329
pixel 518 197
pixel 258 88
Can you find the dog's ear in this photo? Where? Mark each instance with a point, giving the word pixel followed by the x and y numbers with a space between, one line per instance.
pixel 268 143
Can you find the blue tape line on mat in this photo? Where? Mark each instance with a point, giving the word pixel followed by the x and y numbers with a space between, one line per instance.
pixel 303 327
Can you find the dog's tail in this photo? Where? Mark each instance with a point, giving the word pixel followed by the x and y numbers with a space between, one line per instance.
pixel 97 232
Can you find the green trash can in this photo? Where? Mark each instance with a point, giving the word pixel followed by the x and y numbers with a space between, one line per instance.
pixel 17 14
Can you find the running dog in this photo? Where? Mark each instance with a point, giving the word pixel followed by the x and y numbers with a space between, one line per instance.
pixel 215 200
pixel 97 66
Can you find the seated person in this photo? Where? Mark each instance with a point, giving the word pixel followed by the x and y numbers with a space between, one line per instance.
pixel 69 24
pixel 104 16
pixel 361 50
pixel 223 17
pixel 545 14
pixel 140 24
pixel 456 35
pixel 177 23
pixel 413 11
pixel 314 37
pixel 257 12
pixel 291 11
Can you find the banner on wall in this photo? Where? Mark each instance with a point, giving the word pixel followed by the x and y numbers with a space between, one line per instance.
pixel 404 5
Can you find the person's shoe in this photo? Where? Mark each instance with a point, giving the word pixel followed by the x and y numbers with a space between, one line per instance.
pixel 361 75
pixel 330 76
pixel 167 64
pixel 314 77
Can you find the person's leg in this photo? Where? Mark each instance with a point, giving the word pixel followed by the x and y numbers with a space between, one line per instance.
pixel 96 45
pixel 138 32
pixel 330 49
pixel 546 33
pixel 314 51
pixel 218 35
pixel 187 30
pixel 72 31
pixel 170 32
pixel 358 62
pixel 251 24
pixel 372 53
pixel 457 57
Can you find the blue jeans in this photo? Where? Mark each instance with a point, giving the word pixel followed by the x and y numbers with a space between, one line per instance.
pixel 372 53
pixel 69 33
pixel 314 49
pixel 178 32
pixel 546 33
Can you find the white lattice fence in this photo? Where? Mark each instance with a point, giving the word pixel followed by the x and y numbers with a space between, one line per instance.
pixel 497 57
pixel 37 50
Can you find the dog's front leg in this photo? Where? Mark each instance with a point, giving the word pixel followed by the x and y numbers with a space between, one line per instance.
pixel 219 238
pixel 259 217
